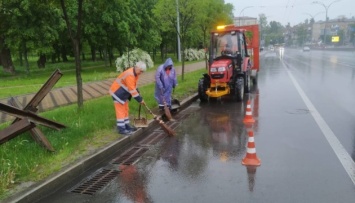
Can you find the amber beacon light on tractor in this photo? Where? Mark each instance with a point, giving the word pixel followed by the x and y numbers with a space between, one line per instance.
pixel 233 62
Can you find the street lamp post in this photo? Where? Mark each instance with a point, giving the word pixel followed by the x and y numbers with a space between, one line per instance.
pixel 326 13
pixel 178 29
pixel 312 17
pixel 240 14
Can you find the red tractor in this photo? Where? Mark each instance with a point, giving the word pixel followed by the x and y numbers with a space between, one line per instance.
pixel 233 62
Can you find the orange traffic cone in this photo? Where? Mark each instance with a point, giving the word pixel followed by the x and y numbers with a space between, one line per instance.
pixel 251 159
pixel 248 114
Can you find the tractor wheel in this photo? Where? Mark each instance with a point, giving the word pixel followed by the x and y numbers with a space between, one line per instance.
pixel 202 88
pixel 239 89
pixel 255 79
pixel 247 85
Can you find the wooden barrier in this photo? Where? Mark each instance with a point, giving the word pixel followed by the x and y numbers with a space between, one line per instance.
pixel 27 119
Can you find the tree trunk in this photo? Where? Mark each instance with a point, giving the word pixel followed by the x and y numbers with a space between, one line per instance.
pixel 101 54
pixel 93 53
pixel 205 46
pixel 183 62
pixel 83 56
pixel 106 57
pixel 79 82
pixel 75 38
pixel 154 53
pixel 25 53
pixel 41 62
pixel 110 56
pixel 20 57
pixel 5 57
pixel 166 51
pixel 64 54
pixel 162 51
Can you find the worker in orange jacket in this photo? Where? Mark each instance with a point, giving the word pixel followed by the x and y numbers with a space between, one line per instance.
pixel 122 90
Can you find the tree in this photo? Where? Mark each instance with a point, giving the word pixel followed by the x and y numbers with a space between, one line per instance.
pixel 148 36
pixel 302 34
pixel 5 24
pixel 263 27
pixel 75 37
pixel 212 13
pixel 188 10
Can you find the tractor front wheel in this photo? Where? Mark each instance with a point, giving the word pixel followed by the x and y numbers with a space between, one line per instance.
pixel 202 88
pixel 239 88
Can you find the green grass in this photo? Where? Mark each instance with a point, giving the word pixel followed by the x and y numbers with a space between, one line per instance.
pixel 23 160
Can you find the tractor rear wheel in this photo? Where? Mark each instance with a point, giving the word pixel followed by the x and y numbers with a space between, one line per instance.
pixel 255 79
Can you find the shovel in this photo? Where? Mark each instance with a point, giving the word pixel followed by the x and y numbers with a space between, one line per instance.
pixel 140 122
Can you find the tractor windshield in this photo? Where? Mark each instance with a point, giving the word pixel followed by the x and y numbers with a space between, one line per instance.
pixel 225 44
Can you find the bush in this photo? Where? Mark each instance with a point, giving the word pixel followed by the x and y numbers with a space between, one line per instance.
pixel 124 62
pixel 194 54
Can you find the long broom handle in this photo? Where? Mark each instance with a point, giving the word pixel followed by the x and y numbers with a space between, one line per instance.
pixel 150 111
pixel 161 123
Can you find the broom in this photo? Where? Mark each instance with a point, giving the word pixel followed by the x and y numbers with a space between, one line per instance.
pixel 166 109
pixel 166 128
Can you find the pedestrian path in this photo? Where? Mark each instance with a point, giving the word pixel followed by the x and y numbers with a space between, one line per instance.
pixel 68 95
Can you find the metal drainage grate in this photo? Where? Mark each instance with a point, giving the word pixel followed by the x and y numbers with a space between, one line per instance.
pixel 174 125
pixel 152 139
pixel 182 116
pixel 131 156
pixel 96 182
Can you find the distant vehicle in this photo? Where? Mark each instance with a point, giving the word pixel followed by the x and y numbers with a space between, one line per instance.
pixel 306 48
pixel 261 48
pixel 272 49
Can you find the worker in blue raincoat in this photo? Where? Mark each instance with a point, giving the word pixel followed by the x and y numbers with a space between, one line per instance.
pixel 165 81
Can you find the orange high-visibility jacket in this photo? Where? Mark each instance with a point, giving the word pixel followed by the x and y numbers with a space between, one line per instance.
pixel 125 86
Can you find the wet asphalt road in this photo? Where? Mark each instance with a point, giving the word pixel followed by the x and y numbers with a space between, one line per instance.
pixel 304 136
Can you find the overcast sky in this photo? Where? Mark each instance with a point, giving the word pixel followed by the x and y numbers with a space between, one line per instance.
pixel 292 11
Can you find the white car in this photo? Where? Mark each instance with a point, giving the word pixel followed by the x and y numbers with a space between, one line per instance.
pixel 306 48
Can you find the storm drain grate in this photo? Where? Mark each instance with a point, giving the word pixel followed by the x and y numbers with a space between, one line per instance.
pixel 174 125
pixel 96 182
pixel 152 139
pixel 182 116
pixel 130 156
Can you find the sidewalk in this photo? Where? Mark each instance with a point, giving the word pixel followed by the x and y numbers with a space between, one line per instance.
pixel 68 95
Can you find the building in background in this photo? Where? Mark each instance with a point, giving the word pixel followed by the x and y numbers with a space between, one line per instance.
pixel 342 27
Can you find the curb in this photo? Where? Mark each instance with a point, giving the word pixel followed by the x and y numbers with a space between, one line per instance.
pixel 54 182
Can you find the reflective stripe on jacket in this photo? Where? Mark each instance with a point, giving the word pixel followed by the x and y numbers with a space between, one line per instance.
pixel 125 86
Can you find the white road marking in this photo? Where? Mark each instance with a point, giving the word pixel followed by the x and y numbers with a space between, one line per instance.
pixel 333 141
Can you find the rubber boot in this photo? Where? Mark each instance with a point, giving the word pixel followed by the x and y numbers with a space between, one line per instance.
pixel 123 131
pixel 130 128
